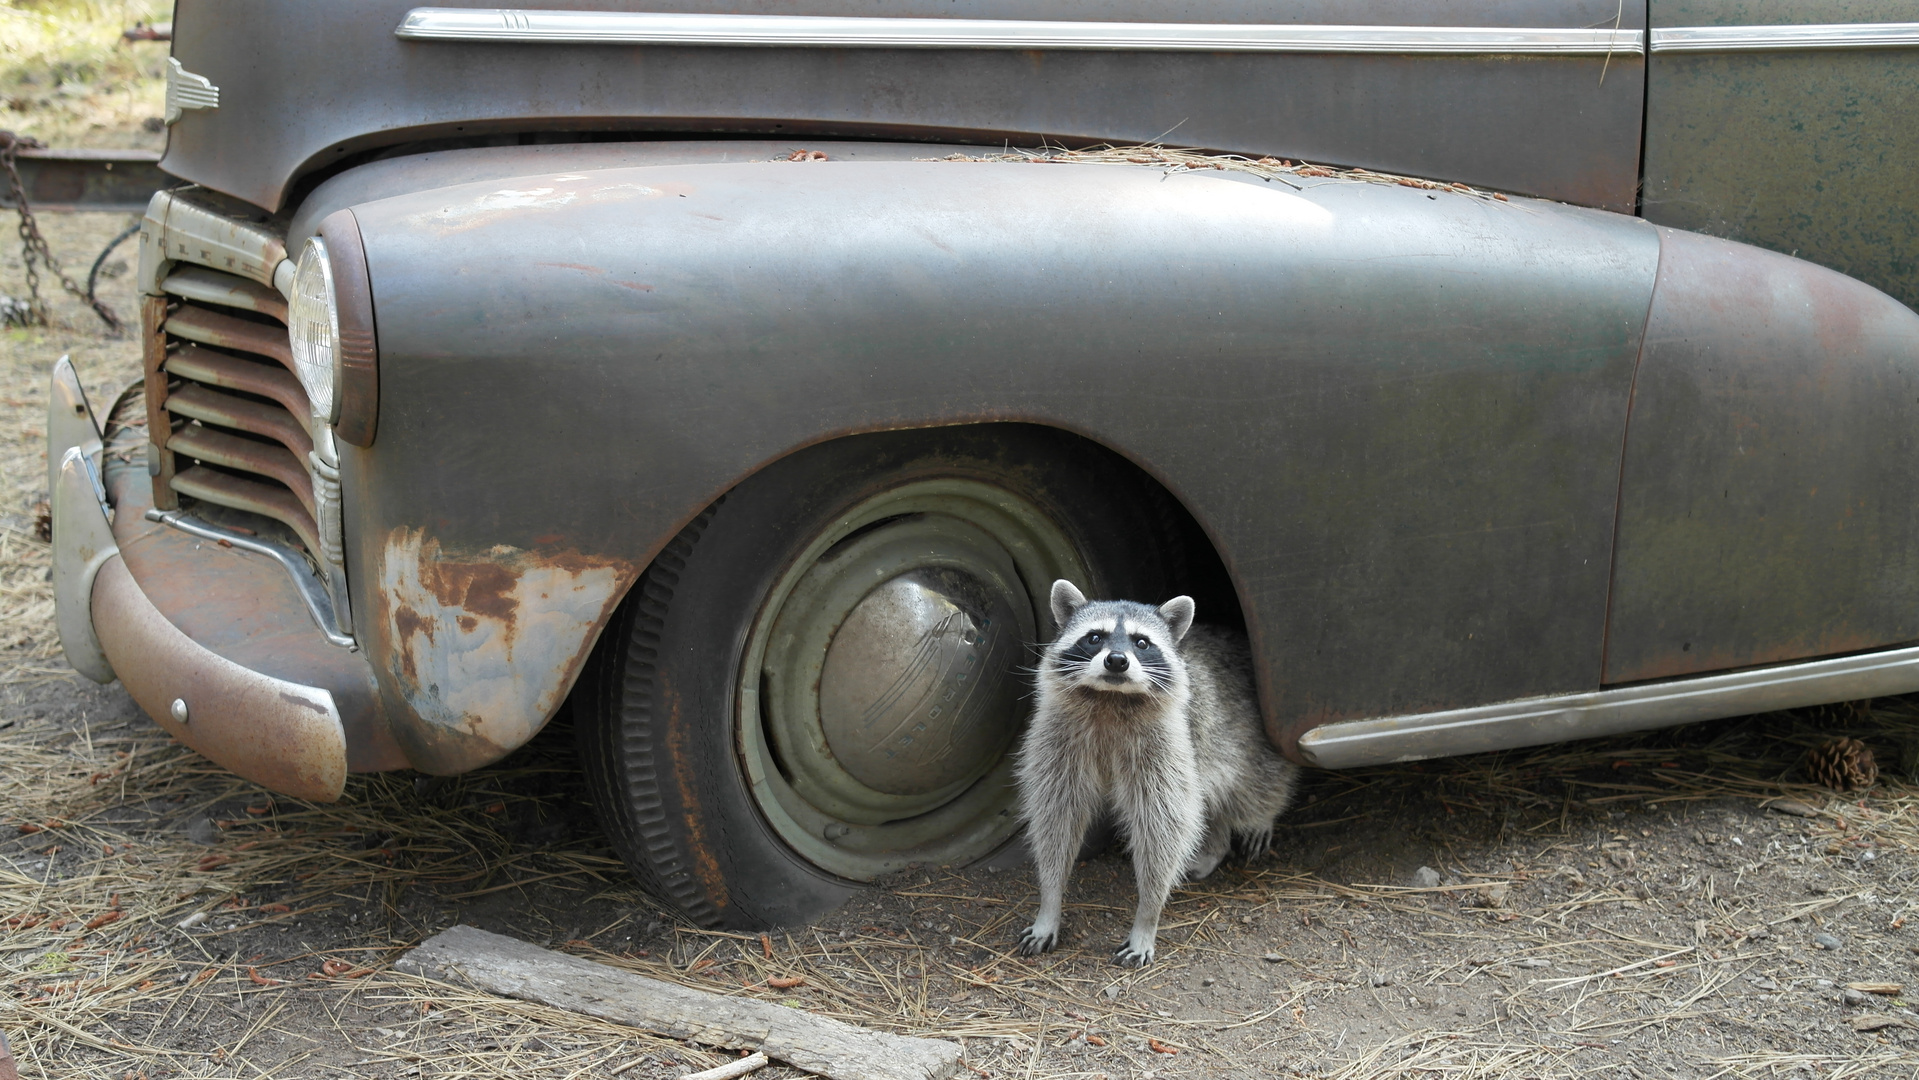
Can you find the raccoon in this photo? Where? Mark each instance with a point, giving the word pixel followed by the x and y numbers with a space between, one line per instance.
pixel 1143 712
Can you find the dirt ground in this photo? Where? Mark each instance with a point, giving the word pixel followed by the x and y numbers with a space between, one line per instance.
pixel 1641 906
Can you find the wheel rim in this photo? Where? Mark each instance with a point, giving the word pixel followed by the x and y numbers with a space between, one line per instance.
pixel 881 689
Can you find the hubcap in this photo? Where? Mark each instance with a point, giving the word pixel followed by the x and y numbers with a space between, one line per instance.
pixel 917 693
pixel 883 690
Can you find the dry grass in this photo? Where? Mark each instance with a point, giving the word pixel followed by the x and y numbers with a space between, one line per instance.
pixel 29 649
pixel 110 913
pixel 69 80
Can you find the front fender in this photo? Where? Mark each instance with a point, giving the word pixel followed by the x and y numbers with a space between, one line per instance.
pixel 1397 412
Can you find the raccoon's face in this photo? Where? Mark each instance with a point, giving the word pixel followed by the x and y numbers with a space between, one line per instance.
pixel 1116 646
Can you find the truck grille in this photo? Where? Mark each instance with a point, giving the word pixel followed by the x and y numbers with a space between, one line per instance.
pixel 221 393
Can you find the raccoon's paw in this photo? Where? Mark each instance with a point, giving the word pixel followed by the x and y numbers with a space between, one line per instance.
pixel 1134 956
pixel 1254 844
pixel 1034 941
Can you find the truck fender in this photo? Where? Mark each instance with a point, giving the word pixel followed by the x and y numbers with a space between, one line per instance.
pixel 1396 410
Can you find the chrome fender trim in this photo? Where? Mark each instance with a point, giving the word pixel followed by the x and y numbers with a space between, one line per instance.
pixel 853 32
pixel 1536 721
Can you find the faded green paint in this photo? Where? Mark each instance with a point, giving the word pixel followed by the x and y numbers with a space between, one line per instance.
pixel 1779 12
pixel 1807 153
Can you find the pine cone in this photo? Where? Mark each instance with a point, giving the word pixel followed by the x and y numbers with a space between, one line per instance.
pixel 1839 713
pixel 1842 764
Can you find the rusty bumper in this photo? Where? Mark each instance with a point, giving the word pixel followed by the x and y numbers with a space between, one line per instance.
pixel 279 734
pixel 215 643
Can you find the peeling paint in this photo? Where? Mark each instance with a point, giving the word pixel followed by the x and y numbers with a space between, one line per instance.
pixel 486 645
pixel 560 192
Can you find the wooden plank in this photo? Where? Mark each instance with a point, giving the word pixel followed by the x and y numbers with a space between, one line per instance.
pixel 502 965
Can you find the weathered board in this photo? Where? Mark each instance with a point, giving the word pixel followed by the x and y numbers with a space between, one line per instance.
pixel 502 965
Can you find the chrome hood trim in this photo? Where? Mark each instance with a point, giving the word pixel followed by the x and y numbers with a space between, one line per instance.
pixel 816 31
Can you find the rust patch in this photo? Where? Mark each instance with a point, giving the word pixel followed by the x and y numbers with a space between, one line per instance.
pixel 484 645
pixel 485 589
pixel 406 624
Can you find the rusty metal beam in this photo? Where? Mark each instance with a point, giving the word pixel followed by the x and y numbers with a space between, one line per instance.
pixel 67 179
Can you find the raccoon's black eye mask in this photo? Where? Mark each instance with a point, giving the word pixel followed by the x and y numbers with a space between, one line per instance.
pixel 1085 649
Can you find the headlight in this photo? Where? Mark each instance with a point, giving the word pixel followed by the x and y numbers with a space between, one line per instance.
pixel 313 324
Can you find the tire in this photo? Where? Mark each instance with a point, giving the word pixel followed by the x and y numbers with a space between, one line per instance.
pixel 861 583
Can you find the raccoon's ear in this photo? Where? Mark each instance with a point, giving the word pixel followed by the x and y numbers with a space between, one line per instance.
pixel 1178 613
pixel 1066 600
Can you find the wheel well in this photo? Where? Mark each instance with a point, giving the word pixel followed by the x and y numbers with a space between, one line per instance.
pixel 1198 571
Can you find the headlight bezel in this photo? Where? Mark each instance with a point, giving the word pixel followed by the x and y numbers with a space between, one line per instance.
pixel 356 347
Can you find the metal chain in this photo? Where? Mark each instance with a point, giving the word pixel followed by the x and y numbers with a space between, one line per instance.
pixel 33 246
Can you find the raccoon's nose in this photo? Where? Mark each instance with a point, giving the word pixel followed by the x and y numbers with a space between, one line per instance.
pixel 1116 661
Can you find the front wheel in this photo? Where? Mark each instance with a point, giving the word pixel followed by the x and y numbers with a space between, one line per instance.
pixel 821 679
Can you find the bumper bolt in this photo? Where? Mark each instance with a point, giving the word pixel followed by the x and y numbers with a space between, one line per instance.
pixel 179 710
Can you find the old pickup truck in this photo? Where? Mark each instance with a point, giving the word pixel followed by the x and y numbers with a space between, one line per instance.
pixel 740 376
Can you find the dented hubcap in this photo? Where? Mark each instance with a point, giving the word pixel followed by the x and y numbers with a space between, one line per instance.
pixel 884 692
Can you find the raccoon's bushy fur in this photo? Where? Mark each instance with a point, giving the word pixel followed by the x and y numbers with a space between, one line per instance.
pixel 1143 712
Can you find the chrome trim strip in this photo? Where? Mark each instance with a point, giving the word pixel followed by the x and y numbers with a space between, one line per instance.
pixel 71 423
pixel 818 31
pixel 312 589
pixel 1715 39
pixel 1535 721
pixel 82 545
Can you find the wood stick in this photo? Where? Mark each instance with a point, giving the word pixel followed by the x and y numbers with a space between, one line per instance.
pixel 751 1063
pixel 839 1051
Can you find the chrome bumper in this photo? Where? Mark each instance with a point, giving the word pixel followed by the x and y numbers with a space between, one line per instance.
pixel 282 734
